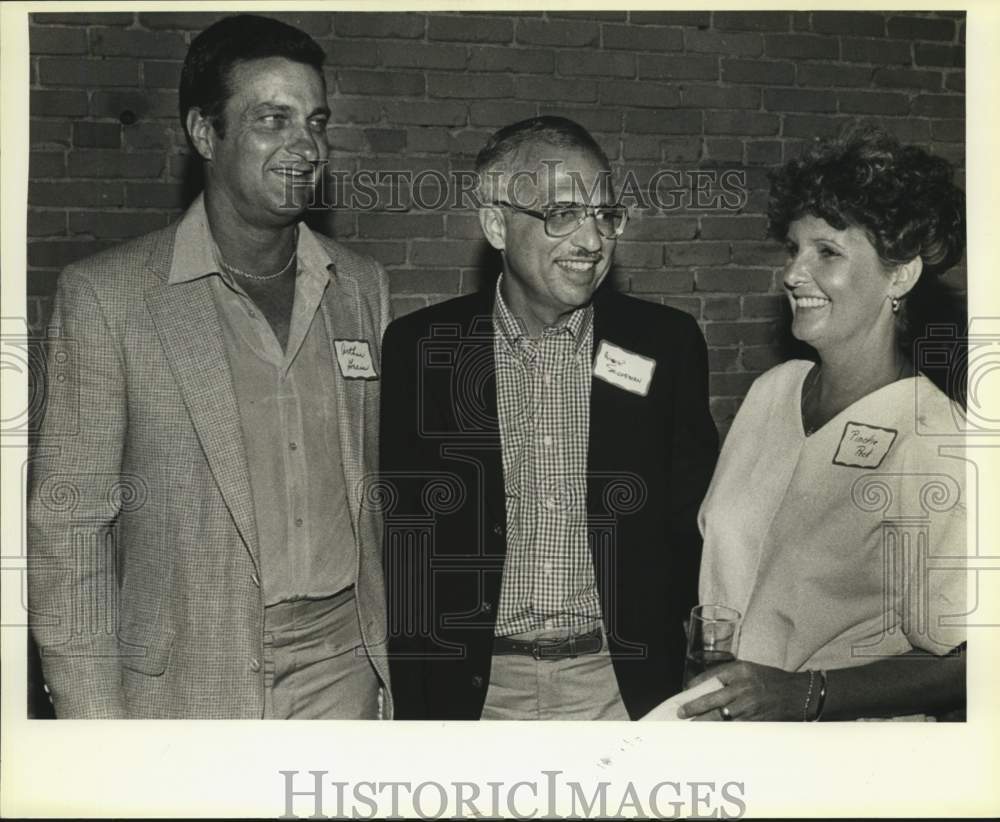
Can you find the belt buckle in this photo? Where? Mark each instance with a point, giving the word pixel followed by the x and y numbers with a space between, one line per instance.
pixel 536 651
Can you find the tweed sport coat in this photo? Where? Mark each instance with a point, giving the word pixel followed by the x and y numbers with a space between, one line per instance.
pixel 144 571
pixel 650 458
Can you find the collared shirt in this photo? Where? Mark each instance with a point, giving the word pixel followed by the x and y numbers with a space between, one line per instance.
pixel 543 399
pixel 288 413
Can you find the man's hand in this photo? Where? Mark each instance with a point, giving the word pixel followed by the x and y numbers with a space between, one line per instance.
pixel 751 692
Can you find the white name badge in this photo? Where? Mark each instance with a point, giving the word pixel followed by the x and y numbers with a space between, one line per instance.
pixel 864 446
pixel 355 360
pixel 624 369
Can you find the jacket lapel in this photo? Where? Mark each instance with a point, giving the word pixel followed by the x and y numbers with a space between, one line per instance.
pixel 188 326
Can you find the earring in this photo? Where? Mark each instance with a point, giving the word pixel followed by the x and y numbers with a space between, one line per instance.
pixel 895 305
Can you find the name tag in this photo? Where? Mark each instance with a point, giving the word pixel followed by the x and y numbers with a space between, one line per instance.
pixel 355 360
pixel 624 369
pixel 864 446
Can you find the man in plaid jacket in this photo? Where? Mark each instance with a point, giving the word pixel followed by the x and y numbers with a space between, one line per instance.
pixel 197 544
pixel 545 448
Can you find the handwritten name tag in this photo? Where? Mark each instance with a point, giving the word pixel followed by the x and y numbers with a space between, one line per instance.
pixel 864 446
pixel 623 368
pixel 355 360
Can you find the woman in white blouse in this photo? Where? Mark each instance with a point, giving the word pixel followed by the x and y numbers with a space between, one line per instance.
pixel 835 522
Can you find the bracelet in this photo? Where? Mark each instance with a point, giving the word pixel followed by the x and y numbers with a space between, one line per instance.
pixel 809 693
pixel 821 698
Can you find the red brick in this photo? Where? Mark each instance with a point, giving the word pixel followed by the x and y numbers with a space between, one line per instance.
pixel 83 19
pixel 420 55
pixel 721 308
pixel 934 55
pixel 115 224
pixel 387 253
pixel 908 78
pixel 730 385
pixel 358 53
pixel 642 147
pixel 681 149
pixel 546 88
pixel 738 280
pixel 733 228
pixel 178 21
pixel 613 16
pixel 520 61
pixel 66 71
pixel 720 97
pixel 664 122
pixel 599 64
pixel 562 33
pixel 641 39
pixel 488 113
pixel 444 253
pixel 758 71
pixel 670 18
pixel 760 358
pixel 97 135
pixel 131 43
pixel 355 111
pixel 463 227
pixel 861 23
pixel 714 42
pixel 60 253
pixel 639 255
pixel 792 99
pixel 48 132
pixel 403 225
pixel 106 163
pixel 427 113
pixel 471 28
pixel 385 140
pixel 661 228
pixel 689 305
pixel 801 46
pixel 757 253
pixel 423 281
pixel 921 28
pixel 687 67
pixel 742 123
pixel 887 52
pixel 906 129
pixel 661 282
pixel 594 119
pixel 316 24
pixel 144 104
pixel 46 223
pixel 154 195
pixel 401 306
pixel 818 74
pixel 760 307
pixel 751 20
pixel 724 150
pixel 480 87
pixel 46 164
pixel 44 40
pixel 752 333
pixel 383 83
pixel 939 105
pixel 723 359
pixel 873 102
pixel 696 253
pixel 955 81
pixel 480 279
pixel 764 152
pixel 641 95
pixel 811 125
pixel 57 103
pixel 162 73
pixel 77 194
pixel 378 24
pixel 149 135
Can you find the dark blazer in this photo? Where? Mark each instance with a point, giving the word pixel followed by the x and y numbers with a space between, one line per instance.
pixel 649 463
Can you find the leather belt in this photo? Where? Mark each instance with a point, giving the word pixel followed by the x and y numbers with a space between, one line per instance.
pixel 551 649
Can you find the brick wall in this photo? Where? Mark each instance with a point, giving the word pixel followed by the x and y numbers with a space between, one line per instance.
pixel 686 92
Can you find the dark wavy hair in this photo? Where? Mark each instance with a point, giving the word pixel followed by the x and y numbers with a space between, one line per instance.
pixel 232 40
pixel 903 197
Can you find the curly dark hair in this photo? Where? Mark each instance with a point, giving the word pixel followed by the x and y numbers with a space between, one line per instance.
pixel 901 195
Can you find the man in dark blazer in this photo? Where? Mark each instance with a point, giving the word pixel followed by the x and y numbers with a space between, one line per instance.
pixel 197 545
pixel 546 445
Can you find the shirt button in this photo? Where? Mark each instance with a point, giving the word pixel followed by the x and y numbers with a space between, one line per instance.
pixel 298 522
pixel 477 681
pixel 293 445
pixel 547 378
pixel 254 665
pixel 487 607
pixel 252 313
pixel 498 529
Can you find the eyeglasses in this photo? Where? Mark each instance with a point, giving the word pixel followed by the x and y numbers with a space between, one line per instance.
pixel 563 220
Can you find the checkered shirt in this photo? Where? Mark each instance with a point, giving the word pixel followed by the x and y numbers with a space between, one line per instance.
pixel 543 398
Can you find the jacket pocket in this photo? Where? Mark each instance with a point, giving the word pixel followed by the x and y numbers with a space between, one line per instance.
pixel 150 657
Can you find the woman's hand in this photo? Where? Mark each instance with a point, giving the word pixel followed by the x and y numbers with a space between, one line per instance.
pixel 751 692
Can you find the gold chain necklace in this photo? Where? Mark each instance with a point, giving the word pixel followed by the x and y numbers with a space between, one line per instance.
pixel 232 269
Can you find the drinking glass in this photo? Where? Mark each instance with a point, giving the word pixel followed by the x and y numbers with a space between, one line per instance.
pixel 713 636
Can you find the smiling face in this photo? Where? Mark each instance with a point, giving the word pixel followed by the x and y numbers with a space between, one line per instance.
pixel 263 171
pixel 547 278
pixel 839 289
